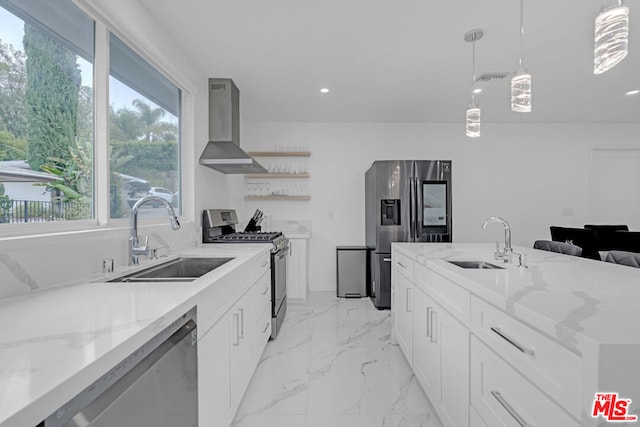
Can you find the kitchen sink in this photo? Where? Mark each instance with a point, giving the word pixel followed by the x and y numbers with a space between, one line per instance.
pixel 474 264
pixel 181 269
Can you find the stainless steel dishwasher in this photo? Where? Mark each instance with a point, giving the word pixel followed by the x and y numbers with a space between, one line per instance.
pixel 156 386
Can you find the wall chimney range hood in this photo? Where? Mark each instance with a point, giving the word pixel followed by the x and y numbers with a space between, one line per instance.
pixel 223 152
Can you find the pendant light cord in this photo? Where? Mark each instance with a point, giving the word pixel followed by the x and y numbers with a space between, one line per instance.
pixel 521 32
pixel 473 75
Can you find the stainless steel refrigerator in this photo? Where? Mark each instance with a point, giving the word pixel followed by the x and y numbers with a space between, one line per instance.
pixel 405 201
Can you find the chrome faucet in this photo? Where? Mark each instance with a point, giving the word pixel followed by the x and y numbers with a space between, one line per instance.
pixel 507 254
pixel 134 248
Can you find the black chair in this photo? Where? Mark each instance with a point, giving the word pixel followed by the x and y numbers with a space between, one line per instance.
pixel 626 241
pixel 559 247
pixel 607 235
pixel 586 239
pixel 631 259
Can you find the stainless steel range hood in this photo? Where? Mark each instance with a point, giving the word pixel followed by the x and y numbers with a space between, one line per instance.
pixel 223 152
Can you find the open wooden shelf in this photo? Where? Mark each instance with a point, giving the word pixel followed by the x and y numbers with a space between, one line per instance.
pixel 277 197
pixel 276 175
pixel 279 153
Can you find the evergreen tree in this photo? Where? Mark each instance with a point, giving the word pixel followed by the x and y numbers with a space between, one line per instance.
pixel 53 84
pixel 12 88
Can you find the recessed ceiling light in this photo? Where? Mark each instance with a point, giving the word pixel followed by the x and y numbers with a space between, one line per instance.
pixel 633 92
pixel 324 90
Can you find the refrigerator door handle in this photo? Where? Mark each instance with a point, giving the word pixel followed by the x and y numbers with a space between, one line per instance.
pixel 416 210
pixel 412 209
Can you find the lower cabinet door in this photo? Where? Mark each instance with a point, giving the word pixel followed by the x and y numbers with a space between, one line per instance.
pixel 241 331
pixel 402 312
pixel 426 356
pixel 214 401
pixel 503 397
pixel 454 354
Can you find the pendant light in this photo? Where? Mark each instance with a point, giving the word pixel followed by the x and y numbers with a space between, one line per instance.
pixel 611 37
pixel 521 81
pixel 473 112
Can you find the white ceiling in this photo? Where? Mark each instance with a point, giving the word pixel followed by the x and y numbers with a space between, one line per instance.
pixel 403 60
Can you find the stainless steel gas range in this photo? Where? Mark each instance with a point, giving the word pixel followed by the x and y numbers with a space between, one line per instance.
pixel 219 226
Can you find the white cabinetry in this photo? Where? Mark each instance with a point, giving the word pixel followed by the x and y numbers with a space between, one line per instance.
pixel 297 269
pixel 241 341
pixel 402 304
pixel 503 397
pixel 228 352
pixel 441 346
pixel 214 400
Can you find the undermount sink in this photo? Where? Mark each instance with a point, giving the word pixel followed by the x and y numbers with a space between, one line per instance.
pixel 177 270
pixel 475 264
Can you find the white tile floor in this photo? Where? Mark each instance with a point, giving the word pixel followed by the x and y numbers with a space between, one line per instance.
pixel 333 364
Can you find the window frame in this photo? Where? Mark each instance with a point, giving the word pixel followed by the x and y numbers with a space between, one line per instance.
pixel 101 190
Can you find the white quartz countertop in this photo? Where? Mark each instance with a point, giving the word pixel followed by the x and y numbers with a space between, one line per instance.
pixel 56 342
pixel 576 301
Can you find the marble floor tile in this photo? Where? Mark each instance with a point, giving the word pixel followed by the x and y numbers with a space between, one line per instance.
pixel 334 363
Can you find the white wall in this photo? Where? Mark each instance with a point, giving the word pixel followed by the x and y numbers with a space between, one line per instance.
pixel 528 174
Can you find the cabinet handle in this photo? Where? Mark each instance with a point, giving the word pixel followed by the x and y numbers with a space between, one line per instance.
pixel 401 264
pixel 241 310
pixel 266 326
pixel 265 291
pixel 431 323
pixel 509 409
pixel 408 307
pixel 237 341
pixel 290 250
pixel 511 341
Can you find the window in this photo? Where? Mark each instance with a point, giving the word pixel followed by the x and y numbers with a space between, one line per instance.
pixel 46 112
pixel 144 127
pixel 47 103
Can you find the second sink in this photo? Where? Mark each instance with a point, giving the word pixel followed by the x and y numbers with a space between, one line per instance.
pixel 178 270
pixel 475 264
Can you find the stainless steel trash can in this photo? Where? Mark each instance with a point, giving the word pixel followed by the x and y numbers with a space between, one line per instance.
pixel 351 269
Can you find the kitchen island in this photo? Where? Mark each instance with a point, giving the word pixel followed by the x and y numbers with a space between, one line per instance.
pixel 56 342
pixel 527 345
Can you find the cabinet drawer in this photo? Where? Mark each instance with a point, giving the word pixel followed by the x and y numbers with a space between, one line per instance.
pixel 262 294
pixel 403 264
pixel 263 263
pixel 450 296
pixel 503 397
pixel 262 332
pixel 546 363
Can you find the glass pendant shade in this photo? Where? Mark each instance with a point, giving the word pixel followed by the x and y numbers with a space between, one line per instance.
pixel 611 38
pixel 473 121
pixel 521 92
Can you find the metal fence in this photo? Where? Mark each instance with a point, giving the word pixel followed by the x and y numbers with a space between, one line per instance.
pixel 22 211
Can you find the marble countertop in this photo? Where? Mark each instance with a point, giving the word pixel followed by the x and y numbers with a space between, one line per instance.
pixel 578 302
pixel 293 229
pixel 56 342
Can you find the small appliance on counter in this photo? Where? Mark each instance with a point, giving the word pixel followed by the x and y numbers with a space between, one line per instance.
pixel 219 226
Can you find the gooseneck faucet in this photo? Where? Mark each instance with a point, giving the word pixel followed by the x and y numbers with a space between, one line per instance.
pixel 507 254
pixel 134 248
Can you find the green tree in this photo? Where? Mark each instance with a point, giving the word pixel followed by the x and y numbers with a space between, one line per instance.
pixel 125 125
pixel 149 117
pixel 52 92
pixel 12 148
pixel 12 89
